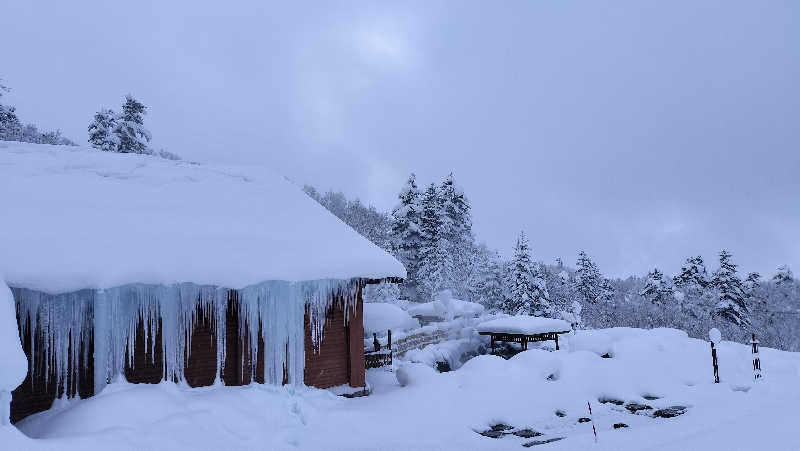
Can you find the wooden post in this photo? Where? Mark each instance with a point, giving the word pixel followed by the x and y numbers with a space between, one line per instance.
pixel 390 339
pixel 524 343
pixel 556 342
pixel 375 342
pixel 714 362
pixel 492 335
pixel 756 358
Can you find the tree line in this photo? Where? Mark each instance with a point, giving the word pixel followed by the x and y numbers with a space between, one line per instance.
pixel 109 131
pixel 13 129
pixel 430 232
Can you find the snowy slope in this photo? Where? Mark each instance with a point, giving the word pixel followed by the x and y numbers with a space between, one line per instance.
pixel 79 218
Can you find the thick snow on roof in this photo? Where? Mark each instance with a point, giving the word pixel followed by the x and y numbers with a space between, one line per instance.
pixel 79 218
pixel 522 324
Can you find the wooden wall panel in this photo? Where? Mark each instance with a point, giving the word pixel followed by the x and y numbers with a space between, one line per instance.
pixel 201 361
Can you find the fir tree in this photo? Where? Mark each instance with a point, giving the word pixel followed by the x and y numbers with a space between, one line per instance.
pixel 129 128
pixel 456 228
pixel 693 276
pixel 589 284
pixel 487 284
pixel 435 270
pixel 527 286
pixel 731 304
pixel 10 126
pixel 562 294
pixel 656 288
pixel 406 232
pixel 752 282
pixel 101 131
pixel 783 276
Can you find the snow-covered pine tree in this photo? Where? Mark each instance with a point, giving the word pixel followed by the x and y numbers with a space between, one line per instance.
pixel 562 294
pixel 435 270
pixel 101 131
pixel 406 233
pixel 588 281
pixel 783 276
pixel 129 128
pixel 656 288
pixel 456 228
pixel 527 285
pixel 731 304
pixel 10 126
pixel 486 284
pixel 752 282
pixel 693 276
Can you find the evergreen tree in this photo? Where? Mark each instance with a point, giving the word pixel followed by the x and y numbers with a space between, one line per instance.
pixel 456 217
pixel 406 232
pixel 101 131
pixel 527 286
pixel 129 128
pixel 487 286
pixel 589 284
pixel 731 304
pixel 435 270
pixel 10 126
pixel 693 276
pixel 656 288
pixel 783 276
pixel 562 294
pixel 752 282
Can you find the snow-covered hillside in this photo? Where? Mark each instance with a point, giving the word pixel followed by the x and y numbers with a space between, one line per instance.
pixel 75 218
pixel 538 394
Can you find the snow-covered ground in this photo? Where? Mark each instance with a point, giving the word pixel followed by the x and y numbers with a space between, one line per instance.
pixel 543 391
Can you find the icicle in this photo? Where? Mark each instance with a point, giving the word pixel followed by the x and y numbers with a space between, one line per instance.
pixel 113 315
pixel 58 317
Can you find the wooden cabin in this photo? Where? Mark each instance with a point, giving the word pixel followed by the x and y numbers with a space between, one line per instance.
pixel 264 287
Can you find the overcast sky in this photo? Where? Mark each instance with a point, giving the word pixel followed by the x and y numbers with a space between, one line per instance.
pixel 641 132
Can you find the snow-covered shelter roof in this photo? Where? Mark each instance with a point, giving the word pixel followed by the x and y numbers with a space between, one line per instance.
pixel 523 324
pixel 77 218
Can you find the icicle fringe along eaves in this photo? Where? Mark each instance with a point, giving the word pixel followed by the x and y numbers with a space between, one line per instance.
pixel 114 314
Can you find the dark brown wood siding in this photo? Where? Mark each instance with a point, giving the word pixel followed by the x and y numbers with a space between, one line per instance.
pixel 338 361
pixel 39 389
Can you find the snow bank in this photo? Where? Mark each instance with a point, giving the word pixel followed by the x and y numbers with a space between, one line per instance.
pixel 522 324
pixel 452 308
pixel 13 363
pixel 75 218
pixel 455 351
pixel 379 318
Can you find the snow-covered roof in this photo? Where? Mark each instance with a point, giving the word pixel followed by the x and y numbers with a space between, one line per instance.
pixel 78 218
pixel 522 324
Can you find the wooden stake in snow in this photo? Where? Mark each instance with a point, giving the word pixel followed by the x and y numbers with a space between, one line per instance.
pixel 715 336
pixel 591 418
pixel 756 358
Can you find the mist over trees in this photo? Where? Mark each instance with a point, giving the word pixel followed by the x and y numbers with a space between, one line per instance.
pixel 12 128
pixel 430 232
